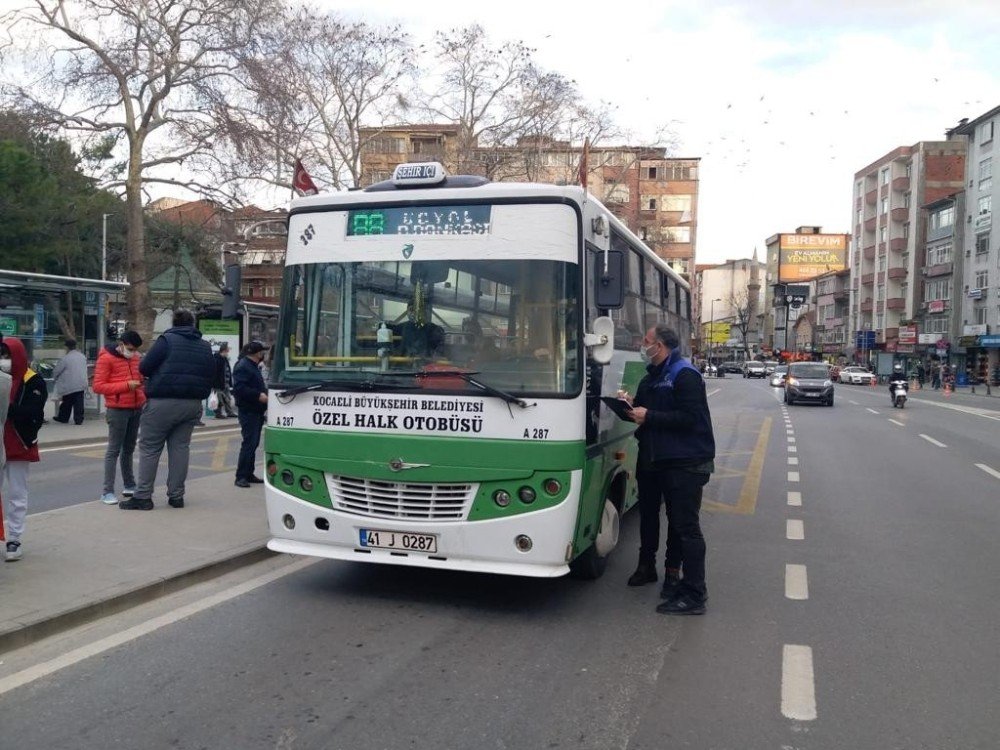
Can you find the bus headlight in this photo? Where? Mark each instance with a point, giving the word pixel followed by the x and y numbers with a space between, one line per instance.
pixel 287 477
pixel 523 543
pixel 527 495
pixel 501 498
pixel 552 486
pixel 306 483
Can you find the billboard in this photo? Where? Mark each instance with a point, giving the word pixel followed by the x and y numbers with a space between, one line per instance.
pixel 802 257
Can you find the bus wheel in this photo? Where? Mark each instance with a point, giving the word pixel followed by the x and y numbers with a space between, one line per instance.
pixel 591 564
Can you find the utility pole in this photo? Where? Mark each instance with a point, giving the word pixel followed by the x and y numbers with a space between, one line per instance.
pixel 104 246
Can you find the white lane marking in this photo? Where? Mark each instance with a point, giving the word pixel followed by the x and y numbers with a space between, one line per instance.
pixel 854 402
pixel 795 529
pixel 793 461
pixel 26 676
pixel 85 446
pixel 712 393
pixel 796 582
pixel 989 470
pixel 871 410
pixel 793 476
pixel 791 439
pixel 932 441
pixel 798 691
pixel 973 410
pixel 792 449
pixel 795 499
pixel 894 421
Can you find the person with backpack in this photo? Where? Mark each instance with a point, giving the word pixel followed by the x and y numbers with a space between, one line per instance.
pixel 25 414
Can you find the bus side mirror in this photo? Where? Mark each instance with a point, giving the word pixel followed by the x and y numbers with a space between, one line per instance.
pixel 609 283
pixel 602 341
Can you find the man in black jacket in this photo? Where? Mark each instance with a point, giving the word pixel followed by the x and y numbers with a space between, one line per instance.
pixel 223 382
pixel 676 455
pixel 179 369
pixel 251 400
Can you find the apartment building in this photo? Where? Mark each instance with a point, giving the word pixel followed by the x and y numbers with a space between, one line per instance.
pixel 831 329
pixel 889 292
pixel 980 251
pixel 656 196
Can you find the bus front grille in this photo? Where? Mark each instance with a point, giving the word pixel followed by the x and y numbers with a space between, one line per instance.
pixel 416 501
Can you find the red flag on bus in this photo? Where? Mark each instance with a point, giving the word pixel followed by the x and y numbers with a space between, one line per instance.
pixel 301 181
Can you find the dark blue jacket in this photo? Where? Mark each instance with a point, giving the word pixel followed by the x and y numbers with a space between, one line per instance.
pixel 677 432
pixel 248 384
pixel 179 365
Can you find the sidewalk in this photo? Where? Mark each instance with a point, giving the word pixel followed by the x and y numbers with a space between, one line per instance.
pixel 90 560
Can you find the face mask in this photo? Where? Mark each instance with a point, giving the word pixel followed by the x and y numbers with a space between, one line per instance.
pixel 128 353
pixel 646 356
pixel 5 364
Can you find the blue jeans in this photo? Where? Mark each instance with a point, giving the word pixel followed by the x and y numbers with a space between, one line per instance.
pixel 251 423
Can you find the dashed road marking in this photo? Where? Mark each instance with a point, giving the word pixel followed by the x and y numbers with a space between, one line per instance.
pixel 798 690
pixel 793 476
pixel 855 403
pixel 791 439
pixel 795 529
pixel 867 408
pixel 896 421
pixel 989 470
pixel 795 499
pixel 792 449
pixel 932 441
pixel 796 582
pixel 793 461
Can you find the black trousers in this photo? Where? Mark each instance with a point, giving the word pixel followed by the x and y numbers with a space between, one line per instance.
pixel 71 402
pixel 681 492
pixel 251 424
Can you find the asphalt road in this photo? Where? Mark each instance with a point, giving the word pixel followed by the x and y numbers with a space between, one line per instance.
pixel 853 580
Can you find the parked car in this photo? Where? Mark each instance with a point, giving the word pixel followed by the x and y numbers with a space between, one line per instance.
pixel 754 370
pixel 778 376
pixel 769 366
pixel 856 376
pixel 808 381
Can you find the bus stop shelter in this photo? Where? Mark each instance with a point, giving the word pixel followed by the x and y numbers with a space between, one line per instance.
pixel 40 308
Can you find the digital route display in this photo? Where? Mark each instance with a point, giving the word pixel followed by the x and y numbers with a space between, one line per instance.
pixel 425 220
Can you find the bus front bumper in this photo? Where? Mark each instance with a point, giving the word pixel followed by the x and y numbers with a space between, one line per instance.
pixel 479 546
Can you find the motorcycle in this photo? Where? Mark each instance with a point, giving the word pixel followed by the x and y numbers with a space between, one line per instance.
pixel 898 392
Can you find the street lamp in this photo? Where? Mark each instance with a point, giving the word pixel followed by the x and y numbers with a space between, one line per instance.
pixel 711 332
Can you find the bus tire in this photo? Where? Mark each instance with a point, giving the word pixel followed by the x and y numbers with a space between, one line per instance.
pixel 591 564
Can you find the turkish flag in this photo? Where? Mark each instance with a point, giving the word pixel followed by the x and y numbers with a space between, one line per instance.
pixel 301 181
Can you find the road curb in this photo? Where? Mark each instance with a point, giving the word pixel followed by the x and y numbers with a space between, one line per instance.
pixel 42 443
pixel 62 621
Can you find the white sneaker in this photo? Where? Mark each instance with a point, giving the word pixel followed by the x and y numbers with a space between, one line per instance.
pixel 108 498
pixel 14 551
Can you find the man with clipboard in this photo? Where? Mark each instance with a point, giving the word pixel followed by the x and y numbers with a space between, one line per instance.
pixel 676 460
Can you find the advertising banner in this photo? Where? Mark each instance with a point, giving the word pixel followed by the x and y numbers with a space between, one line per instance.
pixel 802 257
pixel 907 335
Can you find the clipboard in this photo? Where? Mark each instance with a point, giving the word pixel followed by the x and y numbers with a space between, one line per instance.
pixel 619 406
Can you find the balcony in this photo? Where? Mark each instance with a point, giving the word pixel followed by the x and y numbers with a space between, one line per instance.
pixel 833 322
pixel 841 294
pixel 866 306
pixel 900 214
pixel 868 279
pixel 895 303
pixel 881 248
pixel 871 197
pixel 941 269
pixel 870 224
pixel 898 273
pixel 870 252
pixel 901 184
pixel 898 245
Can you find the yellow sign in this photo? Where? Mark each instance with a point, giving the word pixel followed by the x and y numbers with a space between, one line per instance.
pixel 802 257
pixel 716 333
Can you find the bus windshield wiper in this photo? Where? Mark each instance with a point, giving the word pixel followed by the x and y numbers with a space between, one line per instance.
pixel 369 384
pixel 467 377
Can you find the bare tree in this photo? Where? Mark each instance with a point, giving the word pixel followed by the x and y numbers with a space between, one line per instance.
pixel 742 306
pixel 335 78
pixel 134 78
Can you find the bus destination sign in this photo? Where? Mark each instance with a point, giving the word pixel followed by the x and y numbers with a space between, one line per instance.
pixel 424 220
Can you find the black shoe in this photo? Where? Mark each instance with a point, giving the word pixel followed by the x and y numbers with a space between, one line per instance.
pixel 134 503
pixel 61 421
pixel 645 573
pixel 176 502
pixel 255 480
pixel 682 604
pixel 671 587
pixel 199 423
pixel 242 483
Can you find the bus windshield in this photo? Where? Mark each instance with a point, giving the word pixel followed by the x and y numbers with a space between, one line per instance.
pixel 515 322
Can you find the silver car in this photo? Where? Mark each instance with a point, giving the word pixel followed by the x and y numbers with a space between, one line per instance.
pixel 778 376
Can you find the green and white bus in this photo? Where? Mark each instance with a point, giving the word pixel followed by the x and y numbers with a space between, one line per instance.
pixel 435 395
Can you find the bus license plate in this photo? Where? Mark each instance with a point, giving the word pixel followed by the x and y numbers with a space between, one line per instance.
pixel 398 540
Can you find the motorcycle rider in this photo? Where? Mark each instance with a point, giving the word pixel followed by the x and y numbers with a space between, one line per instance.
pixel 898 377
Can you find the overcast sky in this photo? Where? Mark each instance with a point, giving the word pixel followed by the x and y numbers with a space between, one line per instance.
pixel 783 101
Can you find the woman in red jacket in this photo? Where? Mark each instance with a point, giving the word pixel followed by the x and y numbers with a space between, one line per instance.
pixel 20 437
pixel 117 378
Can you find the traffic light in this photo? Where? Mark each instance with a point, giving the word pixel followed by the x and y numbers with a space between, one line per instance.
pixel 231 292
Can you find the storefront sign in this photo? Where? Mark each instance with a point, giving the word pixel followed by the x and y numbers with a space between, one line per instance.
pixel 992 341
pixel 8 326
pixel 975 330
pixel 907 335
pixel 935 306
pixel 928 338
pixel 968 341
